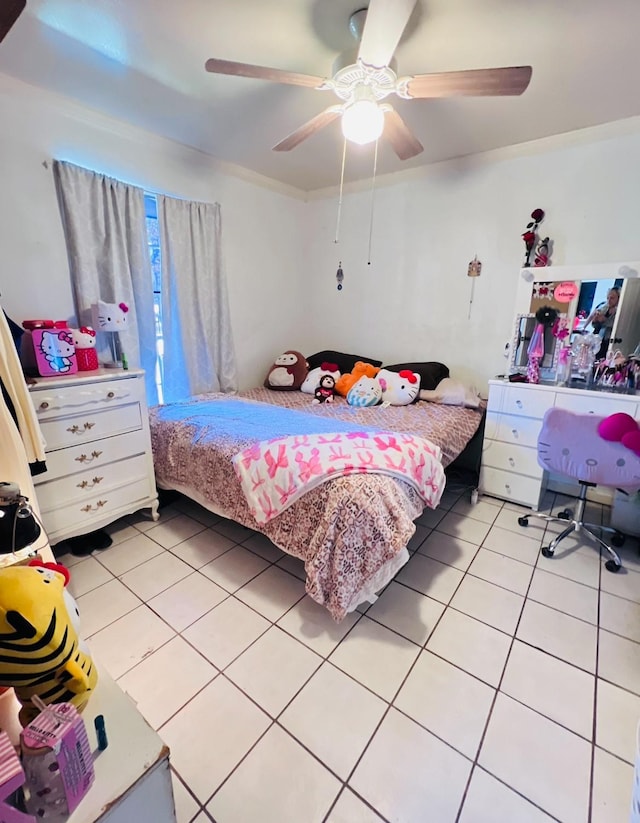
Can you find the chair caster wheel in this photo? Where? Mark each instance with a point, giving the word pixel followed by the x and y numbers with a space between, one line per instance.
pixel 523 521
pixel 565 514
pixel 618 540
pixel 612 566
pixel 547 551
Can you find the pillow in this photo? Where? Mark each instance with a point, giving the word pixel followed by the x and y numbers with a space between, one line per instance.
pixel 344 362
pixel 312 380
pixel 452 393
pixel 365 392
pixel 399 388
pixel 288 372
pixel 431 373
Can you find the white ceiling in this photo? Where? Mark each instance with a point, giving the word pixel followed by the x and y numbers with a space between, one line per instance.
pixel 143 61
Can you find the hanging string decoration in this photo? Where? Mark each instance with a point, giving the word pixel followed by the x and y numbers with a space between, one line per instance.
pixel 473 270
pixel 340 276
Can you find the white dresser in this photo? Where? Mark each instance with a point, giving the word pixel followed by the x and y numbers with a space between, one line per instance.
pixel 510 467
pixel 98 450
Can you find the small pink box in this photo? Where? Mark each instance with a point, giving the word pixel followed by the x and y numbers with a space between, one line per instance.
pixel 54 351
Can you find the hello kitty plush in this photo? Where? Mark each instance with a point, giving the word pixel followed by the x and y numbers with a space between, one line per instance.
pixel 55 352
pixel 398 388
pixel 84 341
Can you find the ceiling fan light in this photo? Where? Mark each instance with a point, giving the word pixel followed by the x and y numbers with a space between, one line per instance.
pixel 363 122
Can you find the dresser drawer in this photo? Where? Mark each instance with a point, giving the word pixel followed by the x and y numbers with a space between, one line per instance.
pixel 51 403
pixel 508 486
pixel 86 512
pixel 90 482
pixel 592 403
pixel 526 402
pixel 91 456
pixel 510 458
pixel 520 431
pixel 494 403
pixel 90 425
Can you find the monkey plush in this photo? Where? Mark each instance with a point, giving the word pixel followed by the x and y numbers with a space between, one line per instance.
pixel 288 372
pixel 326 389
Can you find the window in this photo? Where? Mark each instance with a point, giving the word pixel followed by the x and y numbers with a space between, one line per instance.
pixel 153 240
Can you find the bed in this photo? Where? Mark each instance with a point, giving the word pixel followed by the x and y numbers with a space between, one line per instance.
pixel 351 531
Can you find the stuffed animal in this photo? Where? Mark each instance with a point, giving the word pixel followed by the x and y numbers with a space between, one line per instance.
pixel 312 380
pixel 366 392
pixel 288 372
pixel 326 389
pixel 361 369
pixel 41 653
pixel 84 341
pixel 399 388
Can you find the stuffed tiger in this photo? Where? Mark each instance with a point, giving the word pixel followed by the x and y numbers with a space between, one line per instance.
pixel 39 645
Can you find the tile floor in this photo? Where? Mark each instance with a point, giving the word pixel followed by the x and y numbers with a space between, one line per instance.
pixel 486 683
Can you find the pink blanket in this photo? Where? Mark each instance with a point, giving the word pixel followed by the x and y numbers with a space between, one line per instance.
pixel 275 473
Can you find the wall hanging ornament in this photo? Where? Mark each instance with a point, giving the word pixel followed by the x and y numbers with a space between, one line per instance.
pixel 340 276
pixel 529 235
pixel 543 253
pixel 474 270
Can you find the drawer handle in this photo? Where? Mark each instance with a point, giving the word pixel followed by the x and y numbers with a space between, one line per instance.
pixel 86 485
pixel 44 405
pixel 514 432
pixel 508 488
pixel 512 462
pixel 89 508
pixel 111 395
pixel 75 429
pixel 88 426
pixel 84 459
pixel 519 403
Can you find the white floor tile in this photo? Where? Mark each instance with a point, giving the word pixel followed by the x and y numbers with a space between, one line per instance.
pixel 312 624
pixel 583 568
pixel 175 530
pixel 390 778
pixel 211 734
pixel 293 565
pixel 187 600
pixel 273 669
pixel 531 754
pixel 475 647
pixel 121 530
pixel 612 782
pixel 197 512
pixel 334 717
pixel 272 593
pixel 552 687
pixel 234 568
pixel 144 524
pixel 501 570
pixel 129 640
pixel 186 806
pixel 226 631
pixel 417 539
pixel 86 576
pixel 376 657
pixel 449 550
pixel 431 517
pixel 520 547
pixel 565 595
pixel 130 553
pixel 156 575
pixel 234 531
pixel 491 604
pixel 350 809
pixel 617 717
pixel 279 782
pixel 507 520
pixel 449 499
pixel 447 701
pixel 407 612
pixel 559 634
pixel 620 616
pixel 483 511
pixel 619 661
pixel 625 583
pixel 457 525
pixel 167 679
pixel 202 548
pixel 430 577
pixel 490 801
pixel 103 605
pixel 260 544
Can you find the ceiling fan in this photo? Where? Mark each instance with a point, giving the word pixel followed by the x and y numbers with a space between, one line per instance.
pixel 10 10
pixel 362 84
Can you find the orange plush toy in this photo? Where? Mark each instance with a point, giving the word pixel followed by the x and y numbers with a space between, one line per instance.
pixel 360 369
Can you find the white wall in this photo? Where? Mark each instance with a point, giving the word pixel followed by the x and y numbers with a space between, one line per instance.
pixel 262 226
pixel 412 302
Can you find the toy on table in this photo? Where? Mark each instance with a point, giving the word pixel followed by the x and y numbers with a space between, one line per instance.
pixel 288 372
pixel 366 392
pixel 54 350
pixel 398 388
pixel 84 342
pixel 11 778
pixel 326 389
pixel 111 318
pixel 41 650
pixel 361 369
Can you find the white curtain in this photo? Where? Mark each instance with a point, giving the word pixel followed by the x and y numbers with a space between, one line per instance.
pixel 199 355
pixel 105 227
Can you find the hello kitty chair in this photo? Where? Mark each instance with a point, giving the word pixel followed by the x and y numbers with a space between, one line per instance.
pixel 594 451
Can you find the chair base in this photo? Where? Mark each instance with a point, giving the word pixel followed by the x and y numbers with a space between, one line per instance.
pixel 577 524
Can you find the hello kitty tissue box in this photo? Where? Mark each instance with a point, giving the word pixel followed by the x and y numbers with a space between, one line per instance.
pixel 57 762
pixel 54 351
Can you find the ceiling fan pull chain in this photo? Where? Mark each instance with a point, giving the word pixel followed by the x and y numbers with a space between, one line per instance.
pixel 373 191
pixel 344 157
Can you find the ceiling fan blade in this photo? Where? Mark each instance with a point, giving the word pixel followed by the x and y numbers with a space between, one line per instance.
pixel 262 73
pixel 402 139
pixel 309 128
pixel 386 20
pixel 473 83
pixel 9 13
